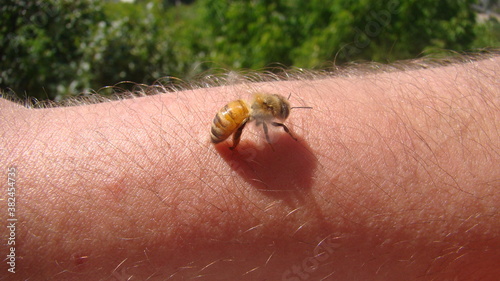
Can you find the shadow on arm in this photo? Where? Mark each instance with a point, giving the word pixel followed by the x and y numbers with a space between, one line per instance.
pixel 289 167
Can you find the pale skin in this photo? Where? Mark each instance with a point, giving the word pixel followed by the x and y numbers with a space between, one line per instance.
pixel 395 176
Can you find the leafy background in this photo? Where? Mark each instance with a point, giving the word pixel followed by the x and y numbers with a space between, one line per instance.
pixel 53 49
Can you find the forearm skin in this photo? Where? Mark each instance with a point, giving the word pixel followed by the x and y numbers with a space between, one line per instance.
pixel 394 176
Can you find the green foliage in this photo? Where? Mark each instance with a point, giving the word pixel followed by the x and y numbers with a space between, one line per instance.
pixel 129 45
pixel 488 34
pixel 252 34
pixel 40 45
pixel 52 48
pixel 436 24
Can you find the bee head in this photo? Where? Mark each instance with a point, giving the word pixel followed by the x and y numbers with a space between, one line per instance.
pixel 282 109
pixel 272 106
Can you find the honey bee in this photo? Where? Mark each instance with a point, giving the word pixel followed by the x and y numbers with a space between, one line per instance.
pixel 264 109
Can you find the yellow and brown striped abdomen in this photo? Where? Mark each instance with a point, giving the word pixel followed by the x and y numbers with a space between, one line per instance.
pixel 228 119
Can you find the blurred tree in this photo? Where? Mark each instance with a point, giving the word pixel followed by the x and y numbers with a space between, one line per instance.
pixel 488 33
pixel 55 47
pixel 255 33
pixel 426 24
pixel 40 45
pixel 143 42
pixel 128 45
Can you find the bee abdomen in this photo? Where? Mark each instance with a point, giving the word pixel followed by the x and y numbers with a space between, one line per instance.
pixel 217 133
pixel 228 119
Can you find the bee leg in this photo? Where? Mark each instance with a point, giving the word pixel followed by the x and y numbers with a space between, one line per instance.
pixel 266 132
pixel 276 124
pixel 237 135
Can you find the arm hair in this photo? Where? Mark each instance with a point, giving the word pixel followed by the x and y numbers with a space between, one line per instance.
pixel 395 176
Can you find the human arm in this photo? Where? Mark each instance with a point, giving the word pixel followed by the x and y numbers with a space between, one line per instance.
pixel 395 175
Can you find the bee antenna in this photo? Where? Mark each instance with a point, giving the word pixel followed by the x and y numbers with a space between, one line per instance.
pixel 309 107
pixel 289 96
